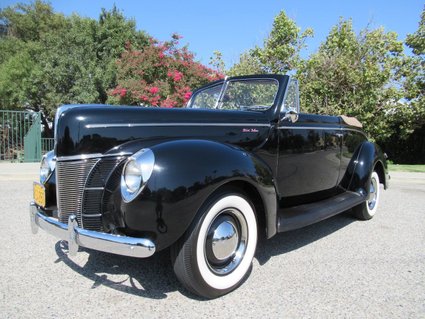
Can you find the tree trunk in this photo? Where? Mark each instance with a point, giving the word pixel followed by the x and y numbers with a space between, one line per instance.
pixel 47 130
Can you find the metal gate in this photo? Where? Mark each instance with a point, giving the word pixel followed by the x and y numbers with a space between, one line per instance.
pixel 32 141
pixel 20 136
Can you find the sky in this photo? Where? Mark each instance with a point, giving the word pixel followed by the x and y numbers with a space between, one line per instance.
pixel 234 26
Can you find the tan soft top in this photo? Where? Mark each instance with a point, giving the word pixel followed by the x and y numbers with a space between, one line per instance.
pixel 351 121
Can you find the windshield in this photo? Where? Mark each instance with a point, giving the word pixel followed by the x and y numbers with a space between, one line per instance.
pixel 248 94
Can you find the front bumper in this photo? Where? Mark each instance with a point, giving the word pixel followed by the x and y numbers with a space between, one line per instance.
pixel 115 244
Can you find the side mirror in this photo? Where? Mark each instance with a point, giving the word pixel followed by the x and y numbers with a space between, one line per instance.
pixel 291 116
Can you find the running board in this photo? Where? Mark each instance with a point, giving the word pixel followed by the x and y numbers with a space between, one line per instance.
pixel 303 215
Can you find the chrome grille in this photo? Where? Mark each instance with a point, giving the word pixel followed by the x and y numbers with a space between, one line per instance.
pixel 71 179
pixel 94 193
pixel 82 188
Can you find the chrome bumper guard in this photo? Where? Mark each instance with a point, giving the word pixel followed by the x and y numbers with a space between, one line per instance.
pixel 115 244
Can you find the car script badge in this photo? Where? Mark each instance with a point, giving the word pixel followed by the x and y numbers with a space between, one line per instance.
pixel 249 130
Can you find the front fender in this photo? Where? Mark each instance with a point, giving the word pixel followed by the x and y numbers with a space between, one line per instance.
pixel 186 173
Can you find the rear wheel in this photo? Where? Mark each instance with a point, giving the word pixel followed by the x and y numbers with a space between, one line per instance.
pixel 367 210
pixel 216 253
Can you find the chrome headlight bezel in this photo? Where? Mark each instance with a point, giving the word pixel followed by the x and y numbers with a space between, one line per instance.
pixel 47 166
pixel 136 173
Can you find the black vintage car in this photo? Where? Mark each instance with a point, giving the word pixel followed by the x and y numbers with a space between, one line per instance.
pixel 206 180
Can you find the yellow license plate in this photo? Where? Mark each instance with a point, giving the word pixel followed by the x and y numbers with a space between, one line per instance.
pixel 39 194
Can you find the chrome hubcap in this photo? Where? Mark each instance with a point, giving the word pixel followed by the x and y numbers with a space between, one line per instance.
pixel 224 239
pixel 373 194
pixel 225 244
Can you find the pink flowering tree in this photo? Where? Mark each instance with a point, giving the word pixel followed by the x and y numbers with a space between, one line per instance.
pixel 162 74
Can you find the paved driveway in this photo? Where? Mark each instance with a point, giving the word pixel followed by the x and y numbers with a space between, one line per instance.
pixel 337 268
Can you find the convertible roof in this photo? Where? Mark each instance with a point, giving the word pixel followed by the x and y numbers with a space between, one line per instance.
pixel 352 121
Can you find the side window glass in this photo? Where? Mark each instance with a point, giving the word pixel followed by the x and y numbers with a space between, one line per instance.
pixel 207 98
pixel 291 98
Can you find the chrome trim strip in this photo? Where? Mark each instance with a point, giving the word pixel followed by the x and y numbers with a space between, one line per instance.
pixel 90 156
pixel 115 244
pixel 172 124
pixel 309 128
pixel 353 130
pixel 321 128
pixel 91 215
pixel 94 188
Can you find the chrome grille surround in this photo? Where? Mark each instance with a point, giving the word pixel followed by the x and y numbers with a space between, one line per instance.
pixel 81 187
pixel 71 179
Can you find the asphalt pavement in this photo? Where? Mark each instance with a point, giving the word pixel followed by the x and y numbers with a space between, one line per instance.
pixel 340 267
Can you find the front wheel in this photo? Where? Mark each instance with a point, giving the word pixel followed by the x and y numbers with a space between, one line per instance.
pixel 367 210
pixel 216 253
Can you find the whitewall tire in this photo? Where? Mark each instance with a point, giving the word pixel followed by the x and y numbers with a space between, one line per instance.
pixel 367 210
pixel 215 255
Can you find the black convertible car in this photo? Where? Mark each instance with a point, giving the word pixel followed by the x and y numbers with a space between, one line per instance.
pixel 206 180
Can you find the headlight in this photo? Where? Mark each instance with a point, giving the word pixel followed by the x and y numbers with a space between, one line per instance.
pixel 132 176
pixel 136 173
pixel 47 166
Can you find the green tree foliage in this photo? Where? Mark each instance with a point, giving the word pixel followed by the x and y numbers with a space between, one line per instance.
pixel 416 41
pixel 79 63
pixel 29 22
pixel 161 74
pixel 410 148
pixel 21 85
pixel 9 46
pixel 217 63
pixel 14 77
pixel 113 33
pixel 415 73
pixel 355 74
pixel 69 64
pixel 248 63
pixel 47 59
pixel 364 74
pixel 280 52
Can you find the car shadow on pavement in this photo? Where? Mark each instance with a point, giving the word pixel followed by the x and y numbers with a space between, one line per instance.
pixel 288 241
pixel 154 277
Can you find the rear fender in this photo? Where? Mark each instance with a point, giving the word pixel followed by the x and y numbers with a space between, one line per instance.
pixel 367 158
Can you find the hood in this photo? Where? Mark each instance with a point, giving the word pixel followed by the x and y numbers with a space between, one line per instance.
pixel 92 129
